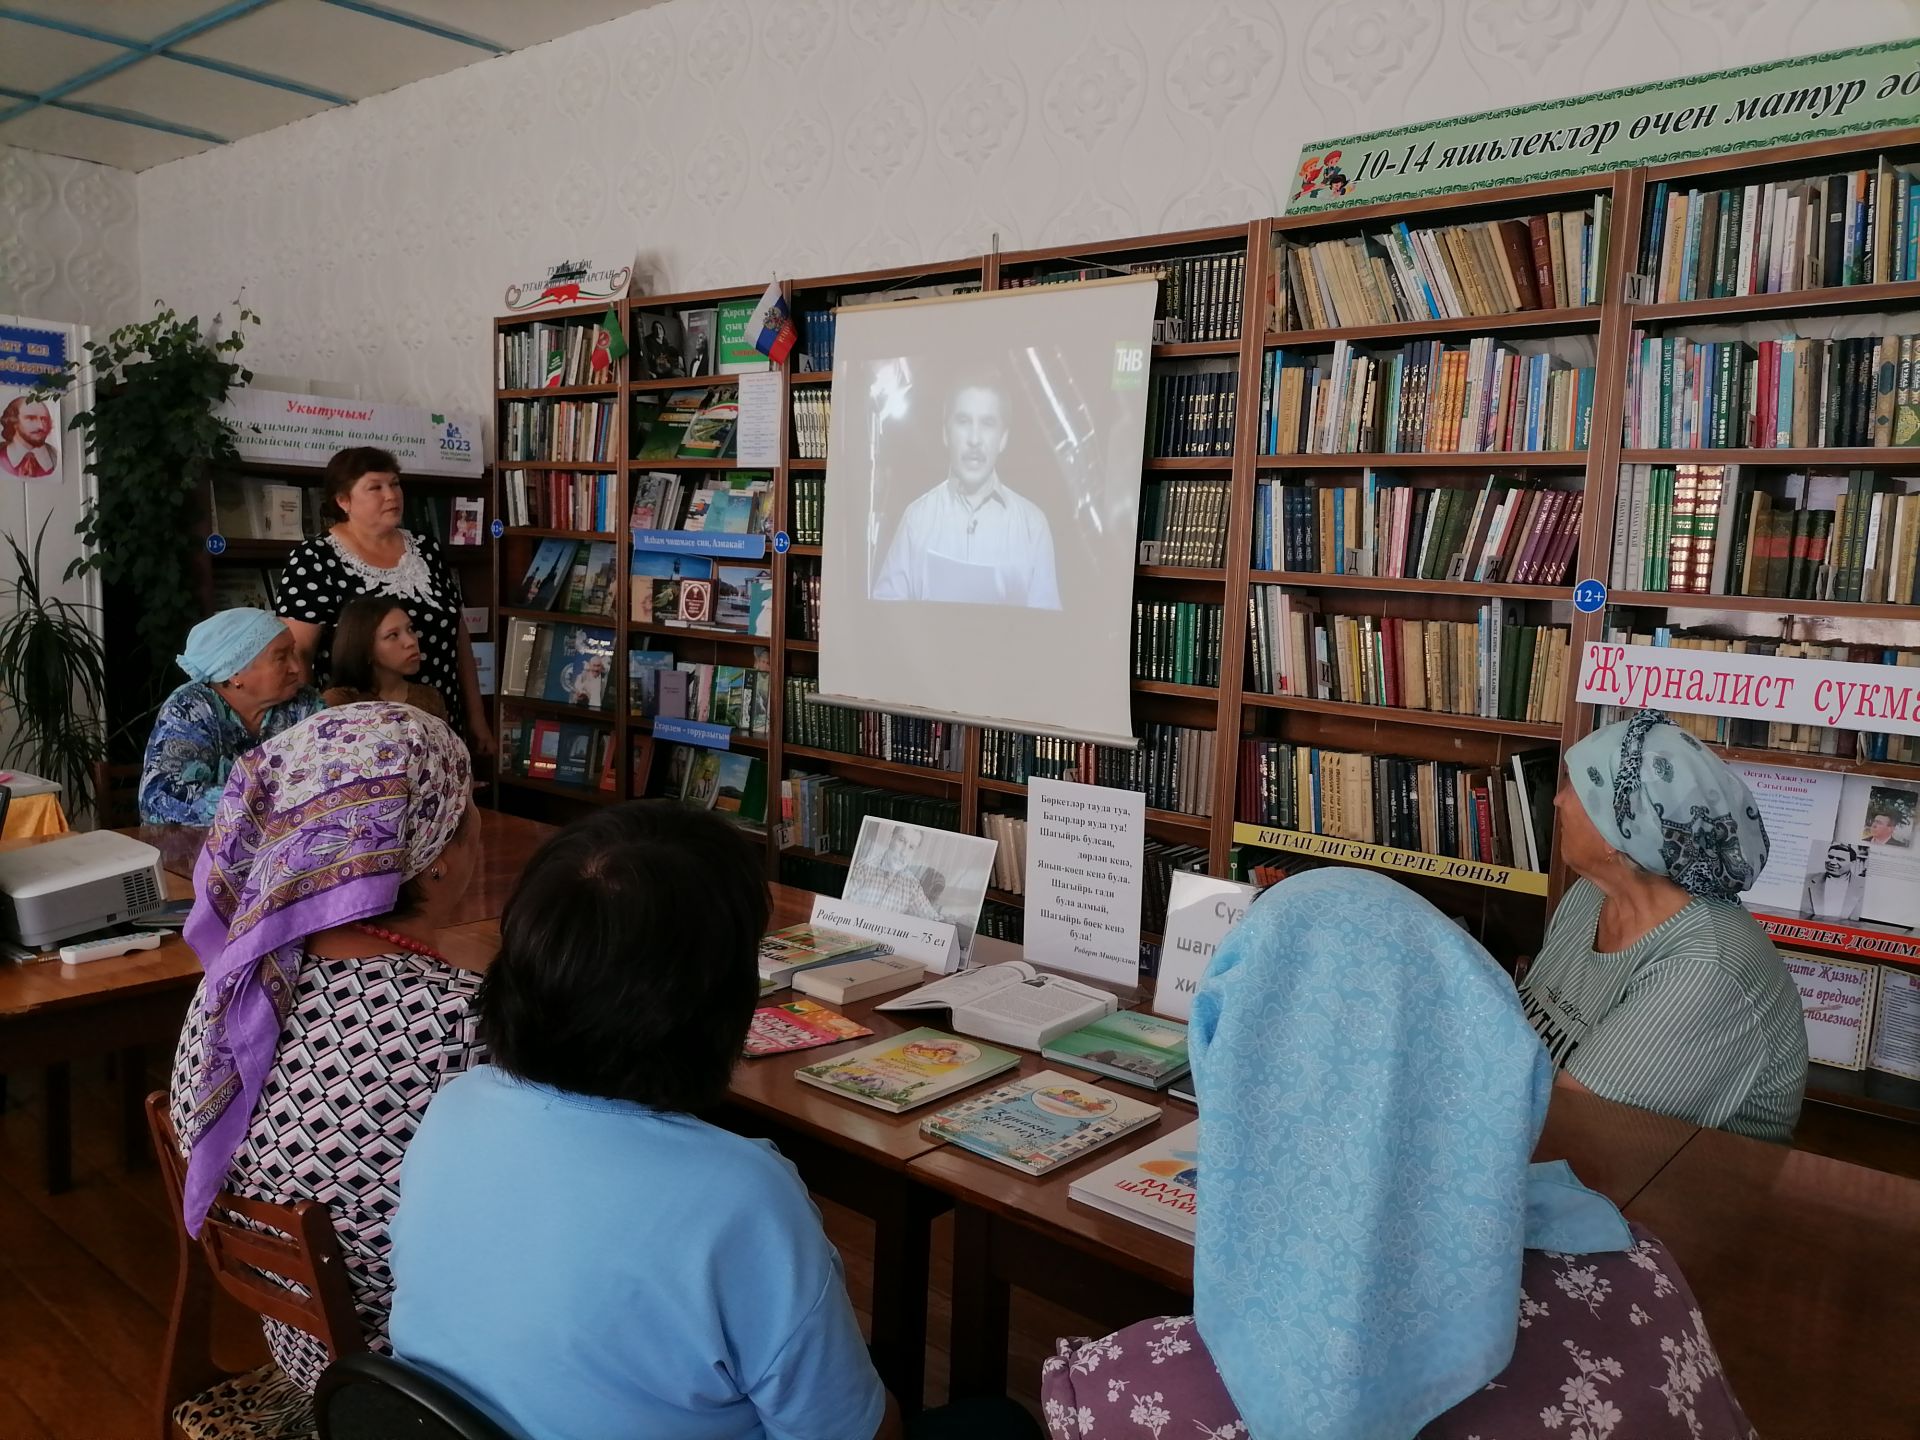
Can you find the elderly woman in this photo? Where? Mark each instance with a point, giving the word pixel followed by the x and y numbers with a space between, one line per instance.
pixel 246 684
pixel 1374 1256
pixel 327 1018
pixel 1653 987
pixel 366 552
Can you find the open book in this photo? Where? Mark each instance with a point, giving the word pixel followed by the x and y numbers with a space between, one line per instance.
pixel 1011 1004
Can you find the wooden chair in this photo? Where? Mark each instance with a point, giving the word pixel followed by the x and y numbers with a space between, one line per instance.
pixel 116 796
pixel 241 1239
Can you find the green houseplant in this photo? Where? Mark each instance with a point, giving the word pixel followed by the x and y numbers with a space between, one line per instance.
pixel 53 680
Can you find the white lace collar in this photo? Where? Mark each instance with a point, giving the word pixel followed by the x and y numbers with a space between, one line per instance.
pixel 409 580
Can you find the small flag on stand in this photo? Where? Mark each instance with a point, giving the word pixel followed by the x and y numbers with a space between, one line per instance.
pixel 771 326
pixel 608 346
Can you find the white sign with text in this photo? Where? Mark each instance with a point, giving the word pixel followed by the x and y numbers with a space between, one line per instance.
pixel 1837 1000
pixel 932 943
pixel 1201 909
pixel 757 432
pixel 274 427
pixel 1085 849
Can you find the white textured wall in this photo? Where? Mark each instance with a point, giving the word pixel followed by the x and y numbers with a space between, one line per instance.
pixel 733 139
pixel 69 247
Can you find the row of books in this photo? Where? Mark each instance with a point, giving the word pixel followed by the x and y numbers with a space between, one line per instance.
pixel 692 424
pixel 561 664
pixel 1177 641
pixel 573 576
pixel 1183 522
pixel 1428 397
pixel 546 354
pixel 1859 227
pixel 903 739
pixel 1200 297
pixel 564 752
pixel 560 499
pixel 812 420
pixel 1172 766
pixel 738 503
pixel 1796 392
pixel 1437 807
pixel 1190 414
pixel 809 518
pixel 817 332
pixel 727 782
pixel 558 430
pixel 1512 531
pixel 1491 666
pixel 1451 272
pixel 803 599
pixel 737 696
pixel 825 812
pixel 694 592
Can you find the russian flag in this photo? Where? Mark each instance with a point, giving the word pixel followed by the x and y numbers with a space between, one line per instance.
pixel 771 325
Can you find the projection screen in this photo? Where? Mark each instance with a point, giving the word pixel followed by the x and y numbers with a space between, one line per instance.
pixel 983 478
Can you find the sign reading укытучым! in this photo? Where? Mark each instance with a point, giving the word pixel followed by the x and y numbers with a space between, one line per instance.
pixel 1808 97
pixel 1836 694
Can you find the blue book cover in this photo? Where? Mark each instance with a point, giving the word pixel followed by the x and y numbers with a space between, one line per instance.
pixel 1039 1123
pixel 552 563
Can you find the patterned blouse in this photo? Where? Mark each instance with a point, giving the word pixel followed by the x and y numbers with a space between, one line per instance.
pixel 367 1044
pixel 196 738
pixel 1610 1347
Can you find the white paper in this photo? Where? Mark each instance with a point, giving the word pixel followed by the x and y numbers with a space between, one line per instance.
pixel 757 434
pixel 1085 845
pixel 1896 1029
pixel 1836 999
pixel 931 943
pixel 1200 911
pixel 912 869
pixel 1799 807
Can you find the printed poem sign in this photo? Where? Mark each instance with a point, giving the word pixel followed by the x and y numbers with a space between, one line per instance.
pixel 1084 858
pixel 1837 694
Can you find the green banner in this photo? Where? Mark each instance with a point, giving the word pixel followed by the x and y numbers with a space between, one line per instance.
pixel 1810 97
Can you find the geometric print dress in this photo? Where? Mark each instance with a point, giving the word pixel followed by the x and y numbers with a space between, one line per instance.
pixel 367 1044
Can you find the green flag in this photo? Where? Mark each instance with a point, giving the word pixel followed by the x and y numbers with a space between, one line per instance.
pixel 616 341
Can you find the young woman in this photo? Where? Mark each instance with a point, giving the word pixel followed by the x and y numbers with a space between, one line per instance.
pixel 375 654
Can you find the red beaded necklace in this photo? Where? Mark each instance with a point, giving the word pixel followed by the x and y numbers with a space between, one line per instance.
pixel 401 942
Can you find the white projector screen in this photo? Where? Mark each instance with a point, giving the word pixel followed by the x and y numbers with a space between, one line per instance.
pixel 983 479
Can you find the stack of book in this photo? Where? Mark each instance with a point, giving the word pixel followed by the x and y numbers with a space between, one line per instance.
pixel 1858 227
pixel 1428 397
pixel 903 739
pixel 560 751
pixel 1172 767
pixel 816 339
pixel 724 781
pixel 812 418
pixel 1510 531
pixel 546 354
pixel 1492 666
pixel 558 430
pixel 1794 392
pixel 1177 641
pixel 803 598
pixel 809 508
pixel 736 696
pixel 697 423
pixel 1452 272
pixel 1437 807
pixel 574 577
pixel 1201 296
pixel 1183 522
pixel 739 503
pixel 560 499
pixel 1010 859
pixel 824 812
pixel 560 664
pixel 1190 414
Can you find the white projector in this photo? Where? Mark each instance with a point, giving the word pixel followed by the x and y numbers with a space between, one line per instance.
pixel 75 884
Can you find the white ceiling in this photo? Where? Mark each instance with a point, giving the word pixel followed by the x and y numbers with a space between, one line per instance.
pixel 134 83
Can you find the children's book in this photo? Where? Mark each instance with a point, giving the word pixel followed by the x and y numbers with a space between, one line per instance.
pixel 798 1025
pixel 1153 1186
pixel 913 1069
pixel 1039 1123
pixel 801 947
pixel 1127 1045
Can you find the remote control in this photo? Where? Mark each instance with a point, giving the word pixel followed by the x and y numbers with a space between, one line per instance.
pixel 85 950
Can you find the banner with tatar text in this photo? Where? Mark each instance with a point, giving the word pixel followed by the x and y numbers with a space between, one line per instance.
pixel 274 427
pixel 1837 694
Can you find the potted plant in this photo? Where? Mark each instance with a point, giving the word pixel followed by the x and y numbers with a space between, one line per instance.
pixel 53 681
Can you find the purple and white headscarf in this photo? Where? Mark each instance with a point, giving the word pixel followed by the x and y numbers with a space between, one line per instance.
pixel 318 827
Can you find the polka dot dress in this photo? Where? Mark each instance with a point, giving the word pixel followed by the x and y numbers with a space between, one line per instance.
pixel 322 575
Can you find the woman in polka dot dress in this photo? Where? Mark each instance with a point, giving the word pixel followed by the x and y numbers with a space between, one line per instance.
pixel 368 553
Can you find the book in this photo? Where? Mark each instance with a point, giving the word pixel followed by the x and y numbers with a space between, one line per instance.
pixel 1039 1123
pixel 1128 1045
pixel 846 981
pixel 798 1025
pixel 1156 1186
pixel 710 435
pixel 1010 1003
pixel 801 947
pixel 908 1070
pixel 658 346
pixel 659 435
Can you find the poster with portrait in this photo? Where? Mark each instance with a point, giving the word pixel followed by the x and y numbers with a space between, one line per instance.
pixel 1877 817
pixel 30 435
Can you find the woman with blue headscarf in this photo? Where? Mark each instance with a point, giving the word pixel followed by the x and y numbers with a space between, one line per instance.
pixel 1374 1258
pixel 1653 986
pixel 245 683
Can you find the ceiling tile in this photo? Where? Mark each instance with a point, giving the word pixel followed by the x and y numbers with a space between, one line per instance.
pixel 106 142
pixel 513 24
pixel 204 99
pixel 130 19
pixel 339 50
pixel 35 59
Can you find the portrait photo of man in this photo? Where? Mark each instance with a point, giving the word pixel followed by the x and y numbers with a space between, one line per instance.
pixel 1838 889
pixel 26 436
pixel 971 539
pixel 891 879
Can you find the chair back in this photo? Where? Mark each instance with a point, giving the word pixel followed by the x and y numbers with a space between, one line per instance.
pixel 116 796
pixel 376 1397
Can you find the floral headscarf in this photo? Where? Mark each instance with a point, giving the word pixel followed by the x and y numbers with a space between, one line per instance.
pixel 319 826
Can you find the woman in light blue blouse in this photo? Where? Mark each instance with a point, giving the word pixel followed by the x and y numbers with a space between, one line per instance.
pixel 246 684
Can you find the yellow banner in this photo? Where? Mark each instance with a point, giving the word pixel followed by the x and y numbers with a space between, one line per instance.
pixel 1385 857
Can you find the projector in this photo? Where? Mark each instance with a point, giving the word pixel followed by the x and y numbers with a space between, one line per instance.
pixel 75 884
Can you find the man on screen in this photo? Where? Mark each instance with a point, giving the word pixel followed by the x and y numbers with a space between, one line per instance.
pixel 971 540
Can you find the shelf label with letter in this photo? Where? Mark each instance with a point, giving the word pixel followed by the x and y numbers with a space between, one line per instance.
pixel 692 732
pixel 1385 857
pixel 1201 909
pixel 932 943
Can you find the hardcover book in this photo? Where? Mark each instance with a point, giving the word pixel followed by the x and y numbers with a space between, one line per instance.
pixel 801 947
pixel 1127 1045
pixel 798 1025
pixel 913 1069
pixel 1039 1123
pixel 1154 1186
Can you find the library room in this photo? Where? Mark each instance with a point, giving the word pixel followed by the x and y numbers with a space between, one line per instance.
pixel 959 719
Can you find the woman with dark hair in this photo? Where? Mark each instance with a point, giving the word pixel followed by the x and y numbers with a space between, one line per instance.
pixel 375 652
pixel 366 552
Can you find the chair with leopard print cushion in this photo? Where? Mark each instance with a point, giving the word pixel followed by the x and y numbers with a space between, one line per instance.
pixel 279 1261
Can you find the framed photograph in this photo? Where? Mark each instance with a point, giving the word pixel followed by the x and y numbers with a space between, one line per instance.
pixel 915 870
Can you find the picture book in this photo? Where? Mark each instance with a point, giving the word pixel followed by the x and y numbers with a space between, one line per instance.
pixel 1127 1045
pixel 1038 1123
pixel 798 1025
pixel 1011 1003
pixel 1154 1186
pixel 801 947
pixel 846 981
pixel 908 1070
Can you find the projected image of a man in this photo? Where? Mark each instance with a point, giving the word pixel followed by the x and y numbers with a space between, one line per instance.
pixel 971 539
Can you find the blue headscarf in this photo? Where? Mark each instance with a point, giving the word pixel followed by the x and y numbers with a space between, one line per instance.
pixel 224 644
pixel 1370 1093
pixel 1665 800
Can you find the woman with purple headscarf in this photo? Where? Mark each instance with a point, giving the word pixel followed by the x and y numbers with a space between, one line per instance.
pixel 327 1018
